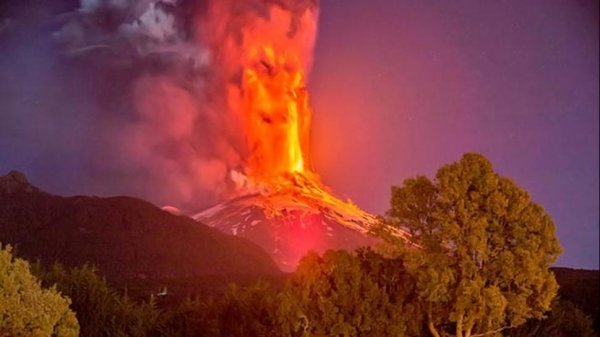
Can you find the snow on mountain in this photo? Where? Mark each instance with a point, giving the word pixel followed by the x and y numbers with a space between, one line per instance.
pixel 292 217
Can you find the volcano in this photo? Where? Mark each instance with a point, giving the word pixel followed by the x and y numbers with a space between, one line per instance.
pixel 291 217
pixel 280 202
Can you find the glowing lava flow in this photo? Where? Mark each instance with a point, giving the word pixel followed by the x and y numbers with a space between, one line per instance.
pixel 277 119
pixel 276 114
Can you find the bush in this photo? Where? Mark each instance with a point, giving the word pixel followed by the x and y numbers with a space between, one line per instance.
pixel 565 319
pixel 27 309
pixel 101 311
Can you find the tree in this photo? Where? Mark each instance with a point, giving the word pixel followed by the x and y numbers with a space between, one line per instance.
pixel 27 309
pixel 254 311
pixel 258 310
pixel 101 310
pixel 353 295
pixel 485 249
pixel 191 318
pixel 565 319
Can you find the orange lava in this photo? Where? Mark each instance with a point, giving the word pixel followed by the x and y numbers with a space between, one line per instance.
pixel 276 114
pixel 266 64
pixel 275 109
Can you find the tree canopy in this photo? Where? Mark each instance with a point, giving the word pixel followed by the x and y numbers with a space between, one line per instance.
pixel 354 295
pixel 485 248
pixel 101 310
pixel 565 319
pixel 27 309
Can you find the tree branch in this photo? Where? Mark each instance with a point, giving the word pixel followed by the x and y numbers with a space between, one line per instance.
pixel 430 324
pixel 492 332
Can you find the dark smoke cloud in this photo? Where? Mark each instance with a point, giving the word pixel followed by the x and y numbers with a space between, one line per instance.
pixel 128 97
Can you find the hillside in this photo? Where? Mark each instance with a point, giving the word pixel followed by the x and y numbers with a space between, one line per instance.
pixel 126 238
pixel 581 287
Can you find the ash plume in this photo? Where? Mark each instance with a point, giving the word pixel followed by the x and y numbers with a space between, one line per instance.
pixel 137 97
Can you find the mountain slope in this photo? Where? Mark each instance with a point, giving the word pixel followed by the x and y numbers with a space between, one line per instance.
pixel 126 238
pixel 291 216
pixel 581 287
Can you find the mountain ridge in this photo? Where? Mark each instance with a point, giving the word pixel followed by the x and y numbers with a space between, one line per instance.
pixel 124 237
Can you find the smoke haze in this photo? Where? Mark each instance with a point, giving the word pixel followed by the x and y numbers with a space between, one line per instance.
pixel 136 97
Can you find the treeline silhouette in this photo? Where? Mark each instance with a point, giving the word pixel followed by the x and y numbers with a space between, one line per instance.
pixel 338 294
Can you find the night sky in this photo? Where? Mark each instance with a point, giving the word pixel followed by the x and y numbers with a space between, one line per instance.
pixel 399 88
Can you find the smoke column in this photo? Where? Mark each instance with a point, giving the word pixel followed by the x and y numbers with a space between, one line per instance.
pixel 145 97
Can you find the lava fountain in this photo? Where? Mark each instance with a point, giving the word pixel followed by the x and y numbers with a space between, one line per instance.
pixel 280 203
pixel 276 115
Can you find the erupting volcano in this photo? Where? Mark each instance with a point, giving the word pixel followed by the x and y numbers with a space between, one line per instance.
pixel 280 202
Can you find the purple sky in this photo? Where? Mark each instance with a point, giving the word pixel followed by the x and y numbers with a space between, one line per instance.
pixel 401 88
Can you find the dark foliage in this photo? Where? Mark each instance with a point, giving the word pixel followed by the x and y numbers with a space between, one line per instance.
pixel 582 288
pixel 101 310
pixel 564 320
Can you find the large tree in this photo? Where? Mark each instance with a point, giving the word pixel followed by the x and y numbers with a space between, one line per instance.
pixel 27 309
pixel 484 249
